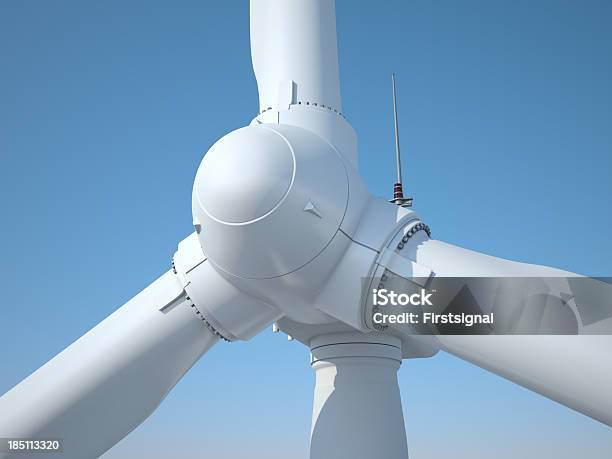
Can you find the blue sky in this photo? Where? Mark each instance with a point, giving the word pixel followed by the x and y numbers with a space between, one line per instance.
pixel 106 109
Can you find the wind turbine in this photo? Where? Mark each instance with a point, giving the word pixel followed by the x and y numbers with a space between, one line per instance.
pixel 285 233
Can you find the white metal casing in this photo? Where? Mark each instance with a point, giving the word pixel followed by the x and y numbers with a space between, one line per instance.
pixel 324 122
pixel 227 310
pixel 269 199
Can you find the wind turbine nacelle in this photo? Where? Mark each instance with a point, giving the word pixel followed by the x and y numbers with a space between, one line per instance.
pixel 267 199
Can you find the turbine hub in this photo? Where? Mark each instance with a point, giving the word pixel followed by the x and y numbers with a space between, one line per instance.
pixel 268 198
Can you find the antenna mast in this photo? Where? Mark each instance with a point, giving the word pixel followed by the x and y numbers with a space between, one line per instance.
pixel 398 192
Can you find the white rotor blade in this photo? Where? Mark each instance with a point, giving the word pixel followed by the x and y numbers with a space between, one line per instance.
pixel 573 370
pixel 110 380
pixel 294 53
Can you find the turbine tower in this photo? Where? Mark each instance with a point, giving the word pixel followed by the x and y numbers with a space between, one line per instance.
pixel 285 233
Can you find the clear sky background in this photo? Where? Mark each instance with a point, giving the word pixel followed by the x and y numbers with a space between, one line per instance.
pixel 106 109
